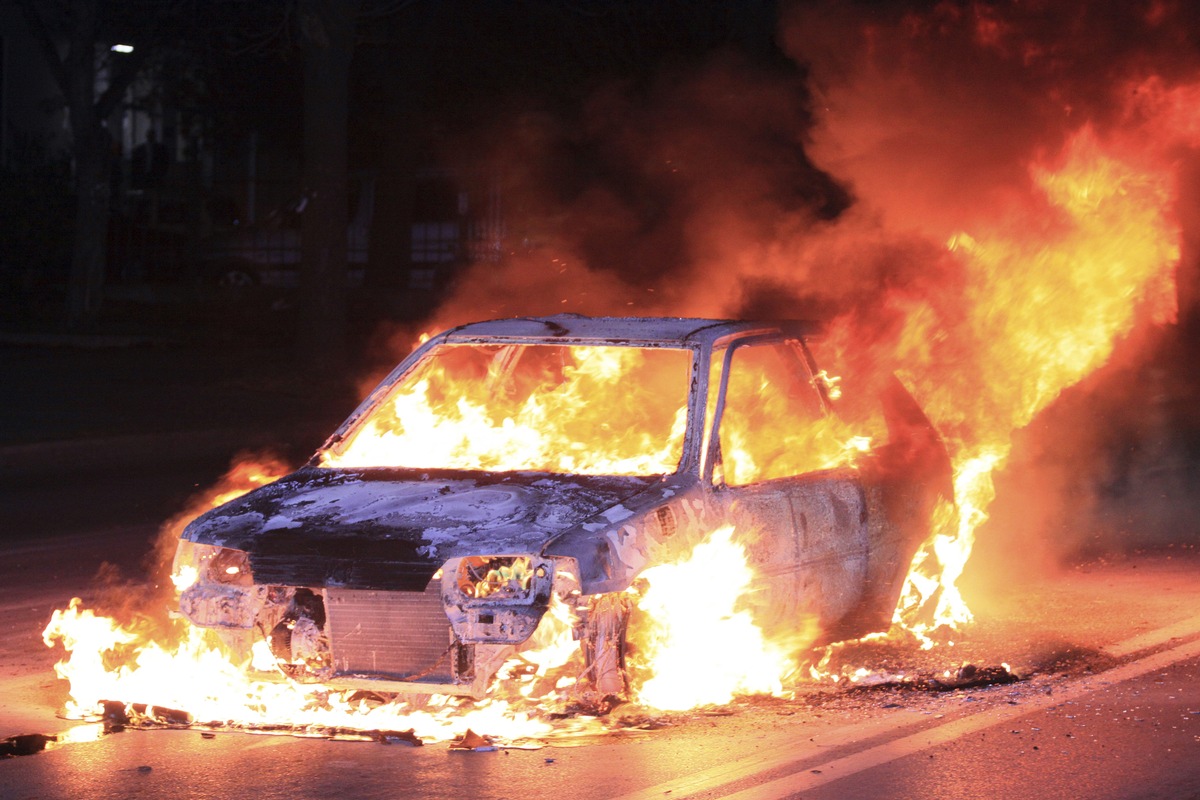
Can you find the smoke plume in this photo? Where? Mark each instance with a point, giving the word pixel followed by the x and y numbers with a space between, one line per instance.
pixel 935 178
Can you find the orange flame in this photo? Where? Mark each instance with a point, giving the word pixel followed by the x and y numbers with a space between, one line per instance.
pixel 680 666
pixel 106 662
pixel 695 644
pixel 590 410
pixel 1046 295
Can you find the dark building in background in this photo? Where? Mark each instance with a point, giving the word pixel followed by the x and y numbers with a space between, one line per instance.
pixel 199 202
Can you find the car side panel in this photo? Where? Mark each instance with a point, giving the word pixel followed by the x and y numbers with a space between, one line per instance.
pixel 807 539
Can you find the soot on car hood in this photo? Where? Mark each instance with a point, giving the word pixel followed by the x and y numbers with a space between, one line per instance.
pixel 391 529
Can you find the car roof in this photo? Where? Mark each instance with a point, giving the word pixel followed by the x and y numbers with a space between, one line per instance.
pixel 661 331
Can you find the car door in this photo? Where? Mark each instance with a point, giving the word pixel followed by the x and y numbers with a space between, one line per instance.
pixel 779 473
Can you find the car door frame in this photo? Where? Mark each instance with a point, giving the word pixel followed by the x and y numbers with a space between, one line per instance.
pixel 813 573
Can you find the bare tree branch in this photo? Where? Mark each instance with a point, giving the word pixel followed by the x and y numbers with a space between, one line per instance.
pixel 41 34
pixel 119 80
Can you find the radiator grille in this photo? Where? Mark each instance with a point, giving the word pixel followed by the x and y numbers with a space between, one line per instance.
pixel 390 634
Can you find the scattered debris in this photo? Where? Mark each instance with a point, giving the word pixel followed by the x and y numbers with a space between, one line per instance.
pixel 472 741
pixel 621 717
pixel 114 716
pixel 408 737
pixel 967 676
pixel 970 676
pixel 586 703
pixel 717 711
pixel 1066 658
pixel 117 715
pixel 25 744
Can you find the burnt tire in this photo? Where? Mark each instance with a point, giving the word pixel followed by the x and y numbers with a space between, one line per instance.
pixel 604 644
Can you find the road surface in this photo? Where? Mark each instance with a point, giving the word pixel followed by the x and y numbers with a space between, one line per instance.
pixel 1109 704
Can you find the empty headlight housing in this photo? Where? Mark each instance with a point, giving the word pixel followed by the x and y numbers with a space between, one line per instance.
pixel 496 599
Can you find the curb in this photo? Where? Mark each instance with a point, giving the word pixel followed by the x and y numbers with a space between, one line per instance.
pixel 40 459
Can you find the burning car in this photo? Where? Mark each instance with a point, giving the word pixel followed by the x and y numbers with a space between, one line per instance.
pixel 508 465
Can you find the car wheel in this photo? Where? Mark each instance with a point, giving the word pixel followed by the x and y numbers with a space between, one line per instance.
pixel 604 644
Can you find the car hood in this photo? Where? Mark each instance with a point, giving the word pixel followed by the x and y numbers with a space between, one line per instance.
pixel 392 529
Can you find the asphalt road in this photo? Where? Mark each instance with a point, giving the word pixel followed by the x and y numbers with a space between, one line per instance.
pixel 1109 707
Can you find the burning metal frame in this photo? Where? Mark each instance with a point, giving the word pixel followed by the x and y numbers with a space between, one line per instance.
pixel 386 565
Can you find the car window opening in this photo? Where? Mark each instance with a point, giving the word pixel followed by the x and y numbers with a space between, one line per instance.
pixel 582 409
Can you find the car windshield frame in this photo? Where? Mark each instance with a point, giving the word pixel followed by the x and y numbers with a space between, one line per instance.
pixel 678 436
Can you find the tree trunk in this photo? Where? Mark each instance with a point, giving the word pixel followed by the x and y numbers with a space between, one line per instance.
pixel 89 257
pixel 328 30
pixel 398 153
pixel 93 190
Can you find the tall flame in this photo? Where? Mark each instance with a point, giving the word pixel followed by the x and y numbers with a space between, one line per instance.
pixel 1046 294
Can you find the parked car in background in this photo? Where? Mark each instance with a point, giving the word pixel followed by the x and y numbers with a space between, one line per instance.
pixel 453 219
pixel 268 254
pixel 507 463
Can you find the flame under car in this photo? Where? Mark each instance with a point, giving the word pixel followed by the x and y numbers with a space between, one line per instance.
pixel 510 464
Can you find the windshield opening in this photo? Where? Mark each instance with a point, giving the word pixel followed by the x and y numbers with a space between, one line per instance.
pixel 573 409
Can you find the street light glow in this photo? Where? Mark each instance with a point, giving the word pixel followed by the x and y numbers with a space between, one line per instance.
pixel 122 48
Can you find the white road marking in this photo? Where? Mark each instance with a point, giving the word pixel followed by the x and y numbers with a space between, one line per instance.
pixel 781 756
pixel 836 769
pixel 1144 641
pixel 839 768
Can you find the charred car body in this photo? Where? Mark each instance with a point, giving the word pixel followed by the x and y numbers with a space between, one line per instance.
pixel 508 464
